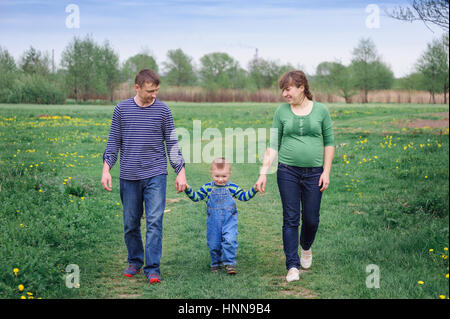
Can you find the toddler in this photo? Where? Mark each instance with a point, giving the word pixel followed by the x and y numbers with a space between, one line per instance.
pixel 222 215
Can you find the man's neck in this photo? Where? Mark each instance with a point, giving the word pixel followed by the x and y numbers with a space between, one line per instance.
pixel 139 102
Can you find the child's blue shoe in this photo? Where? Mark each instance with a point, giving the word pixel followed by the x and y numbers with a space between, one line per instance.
pixel 154 278
pixel 131 271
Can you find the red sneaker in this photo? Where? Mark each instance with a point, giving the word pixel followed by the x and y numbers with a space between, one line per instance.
pixel 131 271
pixel 154 278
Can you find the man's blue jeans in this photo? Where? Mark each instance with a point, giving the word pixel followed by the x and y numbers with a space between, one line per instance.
pixel 299 185
pixel 152 192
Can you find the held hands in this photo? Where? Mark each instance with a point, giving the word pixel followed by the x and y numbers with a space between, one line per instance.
pixel 324 182
pixel 260 184
pixel 180 181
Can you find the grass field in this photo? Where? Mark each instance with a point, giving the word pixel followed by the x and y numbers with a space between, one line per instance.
pixel 387 206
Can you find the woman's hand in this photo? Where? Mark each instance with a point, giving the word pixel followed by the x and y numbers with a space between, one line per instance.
pixel 324 181
pixel 260 185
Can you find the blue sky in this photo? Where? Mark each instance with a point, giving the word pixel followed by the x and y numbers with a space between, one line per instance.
pixel 303 33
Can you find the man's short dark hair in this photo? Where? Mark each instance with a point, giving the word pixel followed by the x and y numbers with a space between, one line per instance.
pixel 147 76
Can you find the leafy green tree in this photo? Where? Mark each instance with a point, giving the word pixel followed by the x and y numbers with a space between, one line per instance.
pixel 336 78
pixel 433 64
pixel 35 62
pixel 8 69
pixel 136 63
pixel 219 70
pixel 265 73
pixel 90 69
pixel 179 68
pixel 412 82
pixel 78 60
pixel 108 66
pixel 369 72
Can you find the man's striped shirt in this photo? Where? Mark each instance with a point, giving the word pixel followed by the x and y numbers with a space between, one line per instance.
pixel 139 133
pixel 206 189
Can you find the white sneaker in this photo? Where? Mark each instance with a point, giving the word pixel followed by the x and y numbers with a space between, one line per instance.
pixel 293 274
pixel 306 258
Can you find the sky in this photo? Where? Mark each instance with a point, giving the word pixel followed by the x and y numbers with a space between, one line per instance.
pixel 302 33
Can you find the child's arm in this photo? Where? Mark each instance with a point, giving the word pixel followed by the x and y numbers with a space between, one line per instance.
pixel 197 196
pixel 240 194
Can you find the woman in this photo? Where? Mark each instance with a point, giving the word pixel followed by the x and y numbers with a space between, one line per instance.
pixel 305 147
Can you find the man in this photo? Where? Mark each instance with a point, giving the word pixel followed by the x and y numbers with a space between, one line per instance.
pixel 139 128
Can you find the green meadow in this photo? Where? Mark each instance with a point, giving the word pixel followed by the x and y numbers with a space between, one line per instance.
pixel 384 225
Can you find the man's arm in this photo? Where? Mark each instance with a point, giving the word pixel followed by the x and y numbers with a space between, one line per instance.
pixel 173 151
pixel 112 149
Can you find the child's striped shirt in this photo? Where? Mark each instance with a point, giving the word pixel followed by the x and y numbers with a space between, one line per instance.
pixel 234 189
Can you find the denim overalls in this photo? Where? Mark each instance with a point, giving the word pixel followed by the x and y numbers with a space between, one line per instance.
pixel 221 227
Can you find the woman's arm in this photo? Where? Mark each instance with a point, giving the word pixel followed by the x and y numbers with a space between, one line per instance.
pixel 328 155
pixel 269 157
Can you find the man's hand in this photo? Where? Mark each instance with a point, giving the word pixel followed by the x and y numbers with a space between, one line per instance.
pixel 106 178
pixel 180 181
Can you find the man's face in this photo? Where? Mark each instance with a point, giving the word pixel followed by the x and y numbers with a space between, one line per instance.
pixel 147 92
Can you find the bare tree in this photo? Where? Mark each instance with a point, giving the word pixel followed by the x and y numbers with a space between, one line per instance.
pixel 429 11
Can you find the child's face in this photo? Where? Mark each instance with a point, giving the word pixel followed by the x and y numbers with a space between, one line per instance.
pixel 220 176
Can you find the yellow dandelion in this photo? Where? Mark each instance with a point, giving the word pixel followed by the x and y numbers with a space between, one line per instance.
pixel 29 293
pixel 15 271
pixel 446 276
pixel 420 282
pixel 23 297
pixel 426 176
pixel 442 296
pixel 21 287
pixel 446 248
pixel 431 250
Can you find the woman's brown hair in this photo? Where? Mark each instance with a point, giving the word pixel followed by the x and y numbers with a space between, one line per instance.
pixel 295 78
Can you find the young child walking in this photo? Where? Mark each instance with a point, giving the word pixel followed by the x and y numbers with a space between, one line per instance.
pixel 222 215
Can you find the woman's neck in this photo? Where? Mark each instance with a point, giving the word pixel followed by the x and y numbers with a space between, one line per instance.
pixel 303 103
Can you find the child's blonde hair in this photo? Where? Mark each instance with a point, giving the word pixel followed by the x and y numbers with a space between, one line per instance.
pixel 220 163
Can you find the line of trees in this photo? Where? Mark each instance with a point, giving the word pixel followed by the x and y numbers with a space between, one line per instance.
pixel 368 72
pixel 92 71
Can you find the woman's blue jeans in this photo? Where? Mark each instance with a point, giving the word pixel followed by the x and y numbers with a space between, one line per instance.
pixel 299 186
pixel 134 194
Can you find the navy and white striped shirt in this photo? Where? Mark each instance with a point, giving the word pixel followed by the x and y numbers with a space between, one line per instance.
pixel 139 133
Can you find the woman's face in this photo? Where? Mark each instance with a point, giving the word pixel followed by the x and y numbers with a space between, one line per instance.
pixel 293 94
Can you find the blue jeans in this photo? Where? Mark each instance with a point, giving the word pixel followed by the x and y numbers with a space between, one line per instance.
pixel 152 192
pixel 299 185
pixel 221 227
